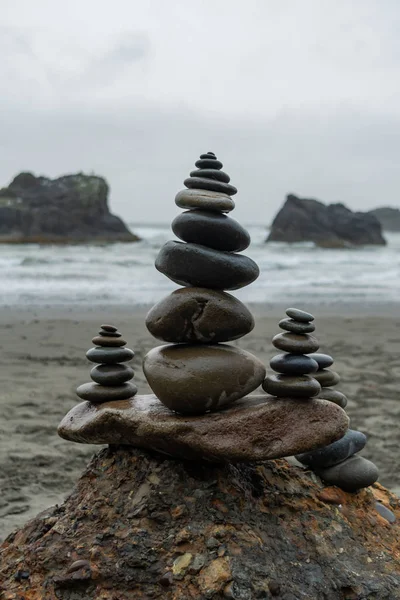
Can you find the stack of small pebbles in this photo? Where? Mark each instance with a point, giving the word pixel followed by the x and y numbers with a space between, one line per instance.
pixel 196 373
pixel 327 379
pixel 296 370
pixel 111 378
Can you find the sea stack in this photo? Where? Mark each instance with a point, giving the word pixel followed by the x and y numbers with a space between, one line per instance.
pixel 327 379
pixel 198 372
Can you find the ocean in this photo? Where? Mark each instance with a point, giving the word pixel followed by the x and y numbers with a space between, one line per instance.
pixel 35 275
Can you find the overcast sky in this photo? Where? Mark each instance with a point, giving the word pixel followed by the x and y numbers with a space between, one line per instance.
pixel 297 96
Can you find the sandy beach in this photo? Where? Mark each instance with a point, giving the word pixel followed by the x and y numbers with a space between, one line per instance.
pixel 43 361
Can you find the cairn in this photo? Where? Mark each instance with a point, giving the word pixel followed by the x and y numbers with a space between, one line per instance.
pixel 111 378
pixel 198 373
pixel 327 379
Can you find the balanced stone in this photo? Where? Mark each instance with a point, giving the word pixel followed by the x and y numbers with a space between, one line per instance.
pixel 293 364
pixel 211 174
pixel 255 428
pixel 333 396
pixel 351 475
pixel 208 155
pixel 296 326
pixel 196 379
pixel 299 315
pixel 211 229
pixel 100 340
pixel 324 360
pixel 352 442
pixel 198 183
pixel 204 199
pixel 295 343
pixel 109 355
pixel 114 334
pixel 326 377
pixel 111 374
pixel 285 386
pixel 196 265
pixel 201 315
pixel 98 393
pixel 385 512
pixel 110 328
pixel 208 163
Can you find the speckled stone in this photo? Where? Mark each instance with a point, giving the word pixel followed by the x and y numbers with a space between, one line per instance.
pixel 205 200
pixel 208 163
pixel 324 360
pixel 299 315
pixel 111 374
pixel 211 229
pixel 293 364
pixel 195 379
pixel 198 183
pixel 98 393
pixel 353 441
pixel 327 378
pixel 351 475
pixel 385 512
pixel 109 355
pixel 295 343
pixel 333 396
pixel 215 174
pixel 110 328
pixel 296 326
pixel 100 340
pixel 200 315
pixel 285 386
pixel 199 266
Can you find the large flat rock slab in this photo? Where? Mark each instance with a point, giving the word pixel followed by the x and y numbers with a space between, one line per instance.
pixel 255 428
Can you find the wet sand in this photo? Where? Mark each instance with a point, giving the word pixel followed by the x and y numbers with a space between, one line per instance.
pixel 43 360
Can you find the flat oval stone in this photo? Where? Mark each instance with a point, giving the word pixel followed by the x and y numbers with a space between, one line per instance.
pixel 286 386
pixel 293 364
pixel 100 340
pixel 299 315
pixel 198 183
pixel 214 174
pixel 109 328
pixel 98 393
pixel 208 155
pixel 296 326
pixel 201 315
pixel 192 379
pixel 199 266
pixel 109 355
pixel 327 378
pixel 208 163
pixel 385 512
pixel 114 334
pixel 204 199
pixel 211 229
pixel 323 360
pixel 351 475
pixel 353 441
pixel 111 374
pixel 333 396
pixel 295 343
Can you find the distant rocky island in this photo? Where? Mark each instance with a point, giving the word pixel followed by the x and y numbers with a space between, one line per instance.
pixel 70 209
pixel 388 217
pixel 328 226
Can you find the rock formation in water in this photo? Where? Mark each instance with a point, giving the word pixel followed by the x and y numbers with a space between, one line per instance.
pixel 388 217
pixel 328 226
pixel 70 209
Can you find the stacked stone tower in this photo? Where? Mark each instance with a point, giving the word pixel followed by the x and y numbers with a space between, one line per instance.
pixel 198 372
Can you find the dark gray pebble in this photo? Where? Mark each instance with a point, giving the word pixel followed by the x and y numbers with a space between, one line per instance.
pixel 98 393
pixel 324 360
pixel 209 163
pixel 111 374
pixel 293 364
pixel 114 334
pixel 109 355
pixel 110 342
pixel 299 315
pixel 333 396
pixel 109 328
pixel 211 229
pixel 350 475
pixel 327 378
pixel 353 441
pixel 215 174
pixel 287 386
pixel 295 343
pixel 198 183
pixel 296 326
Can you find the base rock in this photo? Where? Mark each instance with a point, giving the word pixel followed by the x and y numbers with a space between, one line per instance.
pixel 141 526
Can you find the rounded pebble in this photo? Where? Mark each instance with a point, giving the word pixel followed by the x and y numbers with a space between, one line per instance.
pixel 327 378
pixel 211 229
pixel 209 163
pixel 351 475
pixel 208 155
pixel 295 343
pixel 299 315
pixel 111 374
pixel 100 340
pixel 293 364
pixel 214 174
pixel 204 199
pixel 296 326
pixel 198 183
pixel 353 441
pixel 105 333
pixel 385 512
pixel 323 360
pixel 109 355
pixel 333 396
pixel 109 328
pixel 98 393
pixel 287 386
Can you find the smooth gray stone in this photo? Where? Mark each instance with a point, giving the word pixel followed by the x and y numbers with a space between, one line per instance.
pixel 111 374
pixel 293 364
pixel 110 328
pixel 285 386
pixel 211 229
pixel 296 326
pixel 208 155
pixel 111 334
pixel 324 360
pixel 333 396
pixel 109 355
pixel 215 174
pixel 198 183
pixel 299 315
pixel 353 441
pixel 385 512
pixel 208 163
pixel 199 266
pixel 204 199
pixel 98 393
pixel 110 342
pixel 350 475
pixel 327 378
pixel 295 343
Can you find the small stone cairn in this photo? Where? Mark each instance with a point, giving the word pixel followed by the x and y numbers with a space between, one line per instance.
pixel 327 379
pixel 111 378
pixel 197 373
